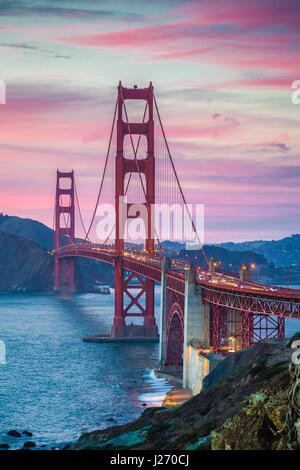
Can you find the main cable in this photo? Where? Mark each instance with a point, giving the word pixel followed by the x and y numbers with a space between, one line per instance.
pixel 104 171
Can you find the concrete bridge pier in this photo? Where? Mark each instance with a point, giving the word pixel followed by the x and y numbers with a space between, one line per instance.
pixel 197 357
pixel 196 326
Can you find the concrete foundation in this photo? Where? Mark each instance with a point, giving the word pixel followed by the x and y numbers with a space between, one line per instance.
pixel 126 334
pixel 134 331
pixel 196 320
pixel 198 360
pixel 200 364
pixel 124 339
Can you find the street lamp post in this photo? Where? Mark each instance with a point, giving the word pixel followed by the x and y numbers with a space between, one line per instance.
pixel 257 267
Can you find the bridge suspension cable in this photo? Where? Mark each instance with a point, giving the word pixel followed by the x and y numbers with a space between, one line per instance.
pixel 130 174
pixel 104 172
pixel 53 226
pixel 80 214
pixel 165 188
pixel 178 182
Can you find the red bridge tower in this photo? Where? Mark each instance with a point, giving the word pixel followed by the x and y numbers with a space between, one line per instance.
pixel 64 227
pixel 139 291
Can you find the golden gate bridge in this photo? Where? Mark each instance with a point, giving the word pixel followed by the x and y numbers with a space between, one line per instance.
pixel 223 311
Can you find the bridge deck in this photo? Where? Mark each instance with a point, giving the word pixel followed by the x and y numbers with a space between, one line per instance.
pixel 219 288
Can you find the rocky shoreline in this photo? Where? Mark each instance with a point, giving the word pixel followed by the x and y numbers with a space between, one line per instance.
pixel 17 440
pixel 244 405
pixel 14 440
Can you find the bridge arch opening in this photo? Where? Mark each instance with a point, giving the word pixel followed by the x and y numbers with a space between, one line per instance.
pixel 175 338
pixel 65 200
pixel 65 220
pixel 65 183
pixel 140 144
pixel 137 109
pixel 134 184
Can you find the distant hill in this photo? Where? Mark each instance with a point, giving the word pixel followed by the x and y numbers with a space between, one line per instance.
pixel 31 230
pixel 28 228
pixel 227 259
pixel 278 261
pixel 284 252
pixel 43 236
pixel 26 267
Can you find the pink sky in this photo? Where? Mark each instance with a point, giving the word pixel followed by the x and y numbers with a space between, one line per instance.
pixel 222 72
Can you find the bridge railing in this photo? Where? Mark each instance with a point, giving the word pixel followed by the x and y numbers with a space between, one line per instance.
pixel 181 266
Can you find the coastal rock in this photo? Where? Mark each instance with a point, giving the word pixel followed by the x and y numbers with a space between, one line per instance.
pixel 269 422
pixel 14 433
pixel 257 398
pixel 276 408
pixel 28 267
pixel 27 433
pixel 129 440
pixel 245 431
pixel 204 443
pixel 29 444
pixel 4 446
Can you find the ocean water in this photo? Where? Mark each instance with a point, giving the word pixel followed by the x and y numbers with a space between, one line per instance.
pixel 57 386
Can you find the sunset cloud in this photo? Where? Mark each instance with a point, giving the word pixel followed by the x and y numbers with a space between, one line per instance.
pixel 222 74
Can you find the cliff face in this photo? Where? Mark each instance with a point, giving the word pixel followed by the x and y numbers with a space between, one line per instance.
pixel 271 417
pixel 29 229
pixel 243 405
pixel 26 267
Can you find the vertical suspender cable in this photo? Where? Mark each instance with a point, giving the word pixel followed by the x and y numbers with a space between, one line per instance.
pixel 178 182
